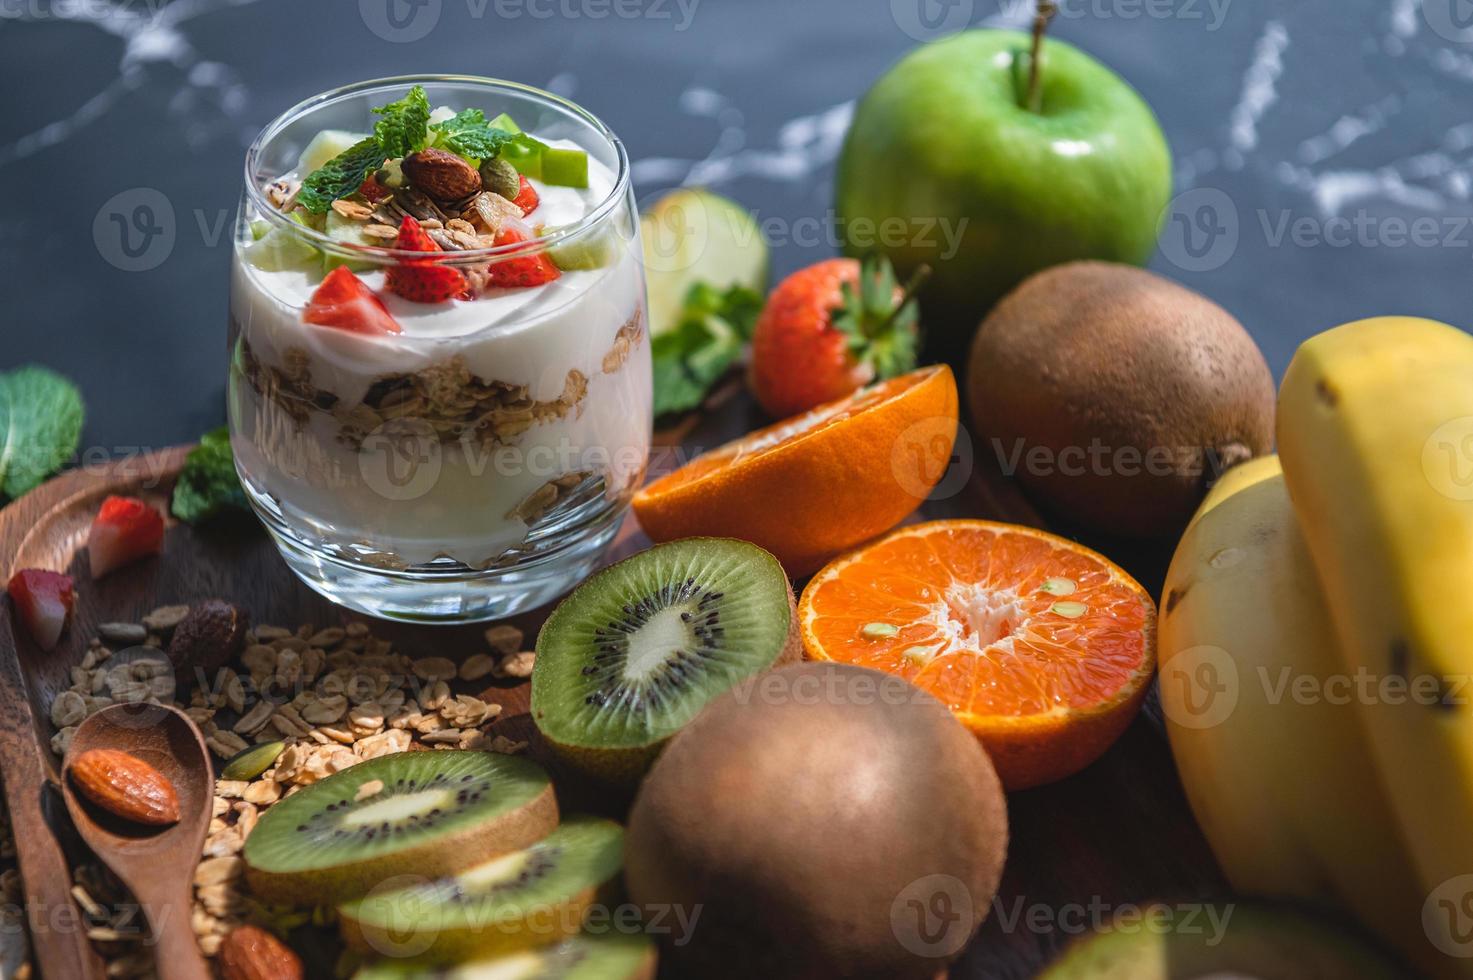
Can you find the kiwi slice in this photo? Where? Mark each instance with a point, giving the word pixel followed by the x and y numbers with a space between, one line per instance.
pixel 529 898
pixel 609 956
pixel 636 651
pixel 436 812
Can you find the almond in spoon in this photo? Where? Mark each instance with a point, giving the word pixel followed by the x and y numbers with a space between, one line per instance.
pixel 126 786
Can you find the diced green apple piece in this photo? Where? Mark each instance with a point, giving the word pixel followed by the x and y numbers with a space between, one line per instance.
pixel 345 230
pixel 564 168
pixel 527 159
pixel 440 114
pixel 593 250
pixel 276 249
pixel 505 122
pixel 324 146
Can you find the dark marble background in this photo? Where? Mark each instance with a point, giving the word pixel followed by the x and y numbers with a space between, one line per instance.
pixel 1311 136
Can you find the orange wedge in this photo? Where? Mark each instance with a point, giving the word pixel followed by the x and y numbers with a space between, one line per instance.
pixel 819 483
pixel 1041 647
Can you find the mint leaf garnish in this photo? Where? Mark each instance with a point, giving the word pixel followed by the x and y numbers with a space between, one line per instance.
pixel 714 326
pixel 341 175
pixel 40 427
pixel 464 119
pixel 207 484
pixel 404 125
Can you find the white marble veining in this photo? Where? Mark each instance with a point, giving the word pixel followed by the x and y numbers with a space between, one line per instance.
pixel 152 34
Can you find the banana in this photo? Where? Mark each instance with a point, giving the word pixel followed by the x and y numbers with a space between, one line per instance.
pixel 1271 757
pixel 1366 413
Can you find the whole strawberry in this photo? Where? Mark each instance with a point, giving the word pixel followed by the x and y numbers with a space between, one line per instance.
pixel 828 330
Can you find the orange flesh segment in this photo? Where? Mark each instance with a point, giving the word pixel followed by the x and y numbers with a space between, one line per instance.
pixel 789 430
pixel 991 640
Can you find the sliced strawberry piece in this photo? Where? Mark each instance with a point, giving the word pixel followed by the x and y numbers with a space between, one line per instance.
pixel 424 281
pixel 519 271
pixel 345 302
pixel 413 237
pixel 124 531
pixel 527 198
pixel 42 601
pixel 373 191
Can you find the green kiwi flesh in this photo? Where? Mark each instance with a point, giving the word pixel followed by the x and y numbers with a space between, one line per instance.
pixel 437 812
pixel 1235 939
pixel 528 898
pixel 611 956
pixel 636 651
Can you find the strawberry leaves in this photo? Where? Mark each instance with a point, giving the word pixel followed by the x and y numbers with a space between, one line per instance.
pixel 881 330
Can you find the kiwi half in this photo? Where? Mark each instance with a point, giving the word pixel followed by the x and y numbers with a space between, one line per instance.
pixel 437 811
pixel 584 957
pixel 636 651
pixel 529 898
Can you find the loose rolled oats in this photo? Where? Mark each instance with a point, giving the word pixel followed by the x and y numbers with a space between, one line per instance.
pixel 348 696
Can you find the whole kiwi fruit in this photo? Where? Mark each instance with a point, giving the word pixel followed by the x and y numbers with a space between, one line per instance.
pixel 1116 396
pixel 825 820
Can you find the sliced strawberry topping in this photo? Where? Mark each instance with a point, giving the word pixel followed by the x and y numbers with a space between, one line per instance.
pixel 520 270
pixel 527 198
pixel 424 281
pixel 343 301
pixel 373 191
pixel 413 237
pixel 124 531
pixel 42 601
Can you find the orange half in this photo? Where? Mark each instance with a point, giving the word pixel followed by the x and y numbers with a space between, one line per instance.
pixel 818 484
pixel 1043 648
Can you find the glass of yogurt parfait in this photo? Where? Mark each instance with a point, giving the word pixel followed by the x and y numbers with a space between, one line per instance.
pixel 439 389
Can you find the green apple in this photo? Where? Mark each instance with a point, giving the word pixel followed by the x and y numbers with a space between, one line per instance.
pixel 947 165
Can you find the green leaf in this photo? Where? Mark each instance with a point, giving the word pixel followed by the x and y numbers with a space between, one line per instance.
pixel 714 326
pixel 477 142
pixel 40 427
pixel 208 484
pixel 404 125
pixel 341 175
pixel 464 119
pixel 880 329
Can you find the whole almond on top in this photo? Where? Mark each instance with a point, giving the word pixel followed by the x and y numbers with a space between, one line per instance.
pixel 441 174
pixel 252 953
pixel 125 786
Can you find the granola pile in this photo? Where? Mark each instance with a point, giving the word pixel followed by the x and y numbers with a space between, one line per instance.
pixel 324 699
pixel 457 405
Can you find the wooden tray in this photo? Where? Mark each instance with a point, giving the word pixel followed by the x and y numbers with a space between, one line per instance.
pixel 1115 835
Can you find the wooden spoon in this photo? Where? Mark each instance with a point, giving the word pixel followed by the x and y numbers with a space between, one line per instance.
pixel 156 863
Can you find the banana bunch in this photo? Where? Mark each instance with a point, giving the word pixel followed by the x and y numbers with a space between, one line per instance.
pixel 1317 643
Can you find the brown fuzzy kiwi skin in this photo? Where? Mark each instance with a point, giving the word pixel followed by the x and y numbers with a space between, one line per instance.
pixel 796 815
pixel 512 831
pixel 623 768
pixel 1092 351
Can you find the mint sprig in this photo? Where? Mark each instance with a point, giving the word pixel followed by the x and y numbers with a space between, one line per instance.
pixel 341 175
pixel 40 427
pixel 714 326
pixel 403 126
pixel 208 484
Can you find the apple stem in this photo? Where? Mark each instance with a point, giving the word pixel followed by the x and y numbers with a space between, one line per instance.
pixel 1046 11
